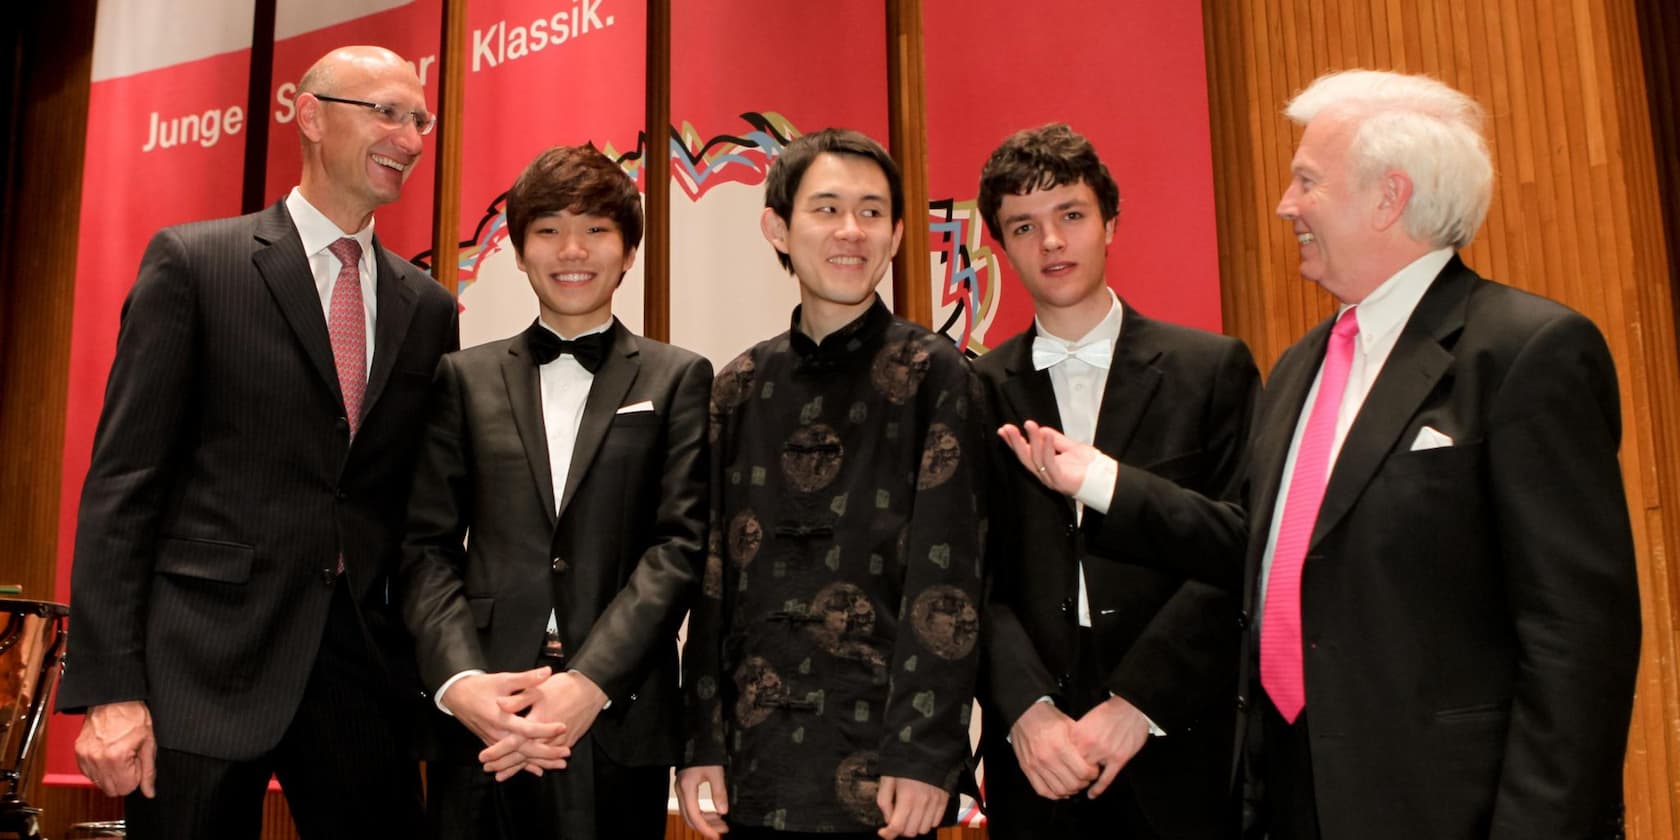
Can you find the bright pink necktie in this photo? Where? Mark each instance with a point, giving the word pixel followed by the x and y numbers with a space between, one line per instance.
pixel 1280 626
pixel 347 326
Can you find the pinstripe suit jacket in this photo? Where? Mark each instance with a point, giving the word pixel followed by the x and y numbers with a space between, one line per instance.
pixel 225 485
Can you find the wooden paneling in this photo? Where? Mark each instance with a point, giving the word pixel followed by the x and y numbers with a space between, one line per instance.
pixel 52 53
pixel 1577 216
pixel 446 187
pixel 912 272
pixel 656 177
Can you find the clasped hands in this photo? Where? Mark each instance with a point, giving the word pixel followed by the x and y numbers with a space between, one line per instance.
pixel 1062 756
pixel 528 720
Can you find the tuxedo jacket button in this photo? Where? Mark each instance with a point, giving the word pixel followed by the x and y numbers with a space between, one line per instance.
pixel 558 565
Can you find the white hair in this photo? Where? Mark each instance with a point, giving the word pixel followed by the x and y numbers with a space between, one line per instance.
pixel 1419 126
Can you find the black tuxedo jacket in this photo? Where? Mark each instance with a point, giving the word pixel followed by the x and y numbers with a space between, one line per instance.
pixel 225 485
pixel 1175 413
pixel 616 564
pixel 1470 613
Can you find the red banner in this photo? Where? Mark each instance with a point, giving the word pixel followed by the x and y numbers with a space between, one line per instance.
pixel 745 79
pixel 540 73
pixel 1130 75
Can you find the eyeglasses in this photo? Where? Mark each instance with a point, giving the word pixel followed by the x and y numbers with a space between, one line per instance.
pixel 390 115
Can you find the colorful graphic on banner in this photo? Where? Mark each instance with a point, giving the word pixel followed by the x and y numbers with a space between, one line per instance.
pixel 166 145
pixel 540 73
pixel 746 79
pixel 1129 75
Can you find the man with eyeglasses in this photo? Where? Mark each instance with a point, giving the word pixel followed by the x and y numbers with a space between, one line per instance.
pixel 239 523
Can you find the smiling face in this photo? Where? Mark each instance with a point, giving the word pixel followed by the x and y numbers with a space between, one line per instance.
pixel 353 160
pixel 575 262
pixel 1057 241
pixel 1337 220
pixel 840 238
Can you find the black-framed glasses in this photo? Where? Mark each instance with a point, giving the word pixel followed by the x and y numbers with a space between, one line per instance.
pixel 390 115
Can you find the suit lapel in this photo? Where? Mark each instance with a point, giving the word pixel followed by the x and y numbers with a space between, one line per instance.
pixel 1028 393
pixel 394 312
pixel 280 260
pixel 1132 380
pixel 606 396
pixel 1410 374
pixel 524 389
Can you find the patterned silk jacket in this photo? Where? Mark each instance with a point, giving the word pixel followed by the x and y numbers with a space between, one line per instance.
pixel 835 639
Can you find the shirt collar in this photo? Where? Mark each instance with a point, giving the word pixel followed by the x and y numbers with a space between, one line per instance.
pixel 607 325
pixel 317 231
pixel 1108 327
pixel 844 341
pixel 1390 305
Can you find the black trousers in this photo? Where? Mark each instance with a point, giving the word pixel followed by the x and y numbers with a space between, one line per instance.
pixel 1288 808
pixel 614 802
pixel 344 762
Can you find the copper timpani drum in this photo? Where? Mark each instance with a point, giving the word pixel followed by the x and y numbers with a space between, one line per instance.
pixel 31 645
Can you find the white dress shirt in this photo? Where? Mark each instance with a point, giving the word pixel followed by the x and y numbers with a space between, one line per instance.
pixel 1079 388
pixel 565 388
pixel 318 232
pixel 1381 316
pixel 1079 391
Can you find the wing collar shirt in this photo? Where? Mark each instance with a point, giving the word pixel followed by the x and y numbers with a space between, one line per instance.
pixel 1382 314
pixel 318 232
pixel 1079 390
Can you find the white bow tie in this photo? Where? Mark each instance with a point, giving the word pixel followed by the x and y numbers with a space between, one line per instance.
pixel 1048 352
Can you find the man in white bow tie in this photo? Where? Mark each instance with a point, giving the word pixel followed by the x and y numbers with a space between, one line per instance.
pixel 1106 687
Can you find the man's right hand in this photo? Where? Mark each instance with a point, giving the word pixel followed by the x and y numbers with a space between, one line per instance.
pixel 708 824
pixel 116 749
pixel 511 741
pixel 1045 750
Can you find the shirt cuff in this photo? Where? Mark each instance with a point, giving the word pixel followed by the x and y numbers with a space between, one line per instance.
pixel 437 698
pixel 1097 490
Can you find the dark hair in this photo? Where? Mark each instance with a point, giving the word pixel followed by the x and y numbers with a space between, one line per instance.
pixel 788 171
pixel 579 179
pixel 1039 159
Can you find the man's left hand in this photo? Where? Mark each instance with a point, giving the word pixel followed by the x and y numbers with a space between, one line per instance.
pixel 910 807
pixel 569 698
pixel 1109 735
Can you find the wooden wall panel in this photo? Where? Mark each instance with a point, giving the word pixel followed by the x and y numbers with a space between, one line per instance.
pixel 1577 216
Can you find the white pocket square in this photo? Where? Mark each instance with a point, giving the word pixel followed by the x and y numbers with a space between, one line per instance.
pixel 1429 437
pixel 644 405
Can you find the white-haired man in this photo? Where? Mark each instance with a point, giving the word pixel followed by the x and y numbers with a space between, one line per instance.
pixel 1445 610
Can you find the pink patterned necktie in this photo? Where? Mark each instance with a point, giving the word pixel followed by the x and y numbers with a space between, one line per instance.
pixel 1280 627
pixel 347 327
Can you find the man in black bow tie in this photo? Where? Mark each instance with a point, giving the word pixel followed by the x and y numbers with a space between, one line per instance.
pixel 1105 685
pixel 570 459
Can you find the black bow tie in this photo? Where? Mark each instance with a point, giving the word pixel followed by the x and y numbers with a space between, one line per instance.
pixel 589 350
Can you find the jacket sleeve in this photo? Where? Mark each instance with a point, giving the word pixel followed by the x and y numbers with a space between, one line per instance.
pixel 1199 532
pixel 1571 584
pixel 137 449
pixel 431 578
